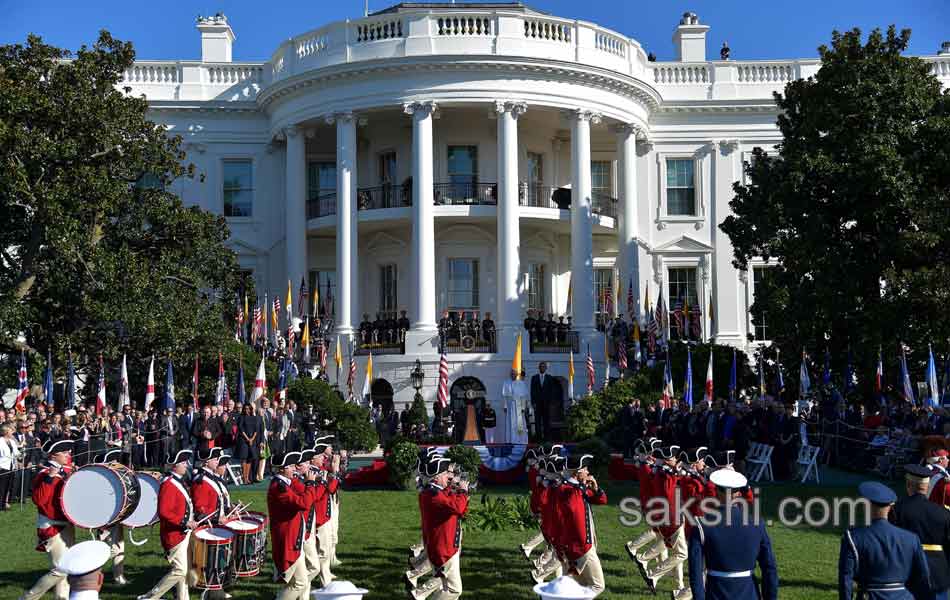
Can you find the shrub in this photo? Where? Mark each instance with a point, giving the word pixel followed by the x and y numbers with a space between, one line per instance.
pixel 416 413
pixel 402 464
pixel 524 518
pixel 349 422
pixel 467 458
pixel 493 513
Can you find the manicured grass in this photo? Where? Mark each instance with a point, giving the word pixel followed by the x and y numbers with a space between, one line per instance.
pixel 377 528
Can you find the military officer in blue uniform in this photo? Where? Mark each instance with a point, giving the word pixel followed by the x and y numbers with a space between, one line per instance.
pixel 931 523
pixel 883 561
pixel 727 546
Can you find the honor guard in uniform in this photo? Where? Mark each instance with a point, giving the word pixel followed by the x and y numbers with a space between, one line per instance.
pixel 338 460
pixel 931 523
pixel 651 538
pixel 209 494
pixel 666 484
pixel 176 521
pixel 577 539
pixel 306 462
pixel 327 466
pixel 287 508
pixel 419 564
pixel 532 459
pixel 549 563
pixel 442 510
pixel 884 562
pixel 54 533
pixel 115 535
pixel 724 548
pixel 82 565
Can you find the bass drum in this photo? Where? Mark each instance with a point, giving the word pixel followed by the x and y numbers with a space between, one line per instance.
pixel 98 496
pixel 146 512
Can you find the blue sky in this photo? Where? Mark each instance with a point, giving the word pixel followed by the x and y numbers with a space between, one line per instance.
pixel 759 29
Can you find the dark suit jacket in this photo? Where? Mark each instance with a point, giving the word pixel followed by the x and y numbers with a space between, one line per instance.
pixel 543 396
pixel 931 523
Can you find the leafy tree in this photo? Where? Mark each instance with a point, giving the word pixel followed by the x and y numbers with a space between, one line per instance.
pixel 852 211
pixel 97 255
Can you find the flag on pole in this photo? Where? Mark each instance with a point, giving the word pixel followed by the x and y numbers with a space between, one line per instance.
pixel 22 387
pixel 712 321
pixel 48 379
pixel 194 384
pixel 351 377
pixel 879 379
pixel 516 365
pixel 668 394
pixel 101 389
pixel 696 320
pixel 688 392
pixel 124 398
pixel 570 294
pixel 663 321
pixel 222 389
pixel 631 309
pixel 264 318
pixel 329 305
pixel 570 375
pixel 708 395
pixel 804 381
pixel 256 325
pixel 305 341
pixel 316 299
pixel 653 327
pixel 606 362
pixel 338 355
pixel 761 374
pixel 238 321
pixel 241 394
pixel 443 394
pixel 622 353
pixel 368 381
pixel 150 385
pixel 275 325
pixel 169 403
pixel 70 383
pixel 733 378
pixel 637 358
pixel 322 355
pixel 304 296
pixel 590 372
pixel 290 304
pixel 247 319
pixel 908 390
pixel 933 391
pixel 260 384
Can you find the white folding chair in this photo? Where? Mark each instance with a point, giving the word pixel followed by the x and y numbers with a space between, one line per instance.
pixel 808 462
pixel 761 463
pixel 234 471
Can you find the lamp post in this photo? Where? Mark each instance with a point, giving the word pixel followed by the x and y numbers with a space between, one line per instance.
pixel 416 377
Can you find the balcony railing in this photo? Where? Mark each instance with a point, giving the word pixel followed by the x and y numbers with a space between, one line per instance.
pixel 322 203
pixel 458 335
pixel 562 345
pixel 384 196
pixel 465 194
pixel 379 348
pixel 603 204
pixel 538 196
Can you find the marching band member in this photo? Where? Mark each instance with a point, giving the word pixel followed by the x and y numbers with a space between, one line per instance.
pixel 723 551
pixel 419 564
pixel 222 472
pixel 939 479
pixel 209 493
pixel 307 463
pixel 644 469
pixel 82 564
pixel 176 521
pixel 442 531
pixel 577 539
pixel 287 507
pixel 53 532
pixel 549 563
pixel 327 464
pixel 666 481
pixel 115 535
pixel 535 478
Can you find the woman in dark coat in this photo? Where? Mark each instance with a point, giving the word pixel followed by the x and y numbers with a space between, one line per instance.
pixel 249 437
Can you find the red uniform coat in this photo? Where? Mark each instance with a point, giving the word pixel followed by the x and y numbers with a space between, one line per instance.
pixel 665 483
pixel 576 521
pixel 323 502
pixel 547 501
pixel 48 498
pixel 940 492
pixel 206 496
pixel 645 479
pixel 535 487
pixel 174 511
pixel 287 507
pixel 441 510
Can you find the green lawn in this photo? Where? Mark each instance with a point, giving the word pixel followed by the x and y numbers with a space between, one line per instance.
pixel 378 526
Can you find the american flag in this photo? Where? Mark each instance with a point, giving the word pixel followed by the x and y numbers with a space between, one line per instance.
pixel 662 321
pixel 304 295
pixel 291 339
pixel 443 396
pixel 630 308
pixel 276 305
pixel 590 372
pixel 101 390
pixel 351 377
pixel 696 320
pixel 322 354
pixel 257 325
pixel 239 331
pixel 23 386
pixel 622 356
pixel 608 302
pixel 680 309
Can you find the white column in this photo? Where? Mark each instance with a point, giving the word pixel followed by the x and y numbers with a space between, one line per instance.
pixel 422 265
pixel 728 326
pixel 346 230
pixel 582 260
pixel 628 230
pixel 509 232
pixel 296 205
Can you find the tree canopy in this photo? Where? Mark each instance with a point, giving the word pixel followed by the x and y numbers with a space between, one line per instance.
pixel 95 252
pixel 853 212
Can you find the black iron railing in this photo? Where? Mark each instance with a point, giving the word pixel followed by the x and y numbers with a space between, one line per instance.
pixel 384 196
pixel 322 203
pixel 539 196
pixel 560 345
pixel 379 348
pixel 465 193
pixel 603 204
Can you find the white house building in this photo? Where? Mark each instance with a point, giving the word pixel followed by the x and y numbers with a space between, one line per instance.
pixel 411 160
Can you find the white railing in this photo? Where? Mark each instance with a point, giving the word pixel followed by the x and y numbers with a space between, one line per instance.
pixel 610 43
pixel 782 72
pixel 230 74
pixel 464 25
pixel 378 29
pixel 552 31
pixel 940 66
pixel 152 73
pixel 312 45
pixel 681 74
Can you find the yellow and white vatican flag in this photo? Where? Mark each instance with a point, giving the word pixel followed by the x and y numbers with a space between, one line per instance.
pixel 516 365
pixel 368 382
pixel 570 376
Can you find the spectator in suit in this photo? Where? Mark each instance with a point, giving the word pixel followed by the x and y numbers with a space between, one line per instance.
pixel 169 434
pixel 152 436
pixel 292 442
pixel 205 430
pixel 544 393
pixel 633 425
pixel 185 423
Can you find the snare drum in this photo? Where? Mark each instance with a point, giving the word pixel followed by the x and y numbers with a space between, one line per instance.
pixel 97 496
pixel 245 549
pixel 211 557
pixel 261 537
pixel 146 513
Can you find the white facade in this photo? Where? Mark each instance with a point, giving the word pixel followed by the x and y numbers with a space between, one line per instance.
pixel 487 108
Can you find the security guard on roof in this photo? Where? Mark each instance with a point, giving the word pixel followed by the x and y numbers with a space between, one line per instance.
pixel 727 546
pixel 886 562
pixel 931 523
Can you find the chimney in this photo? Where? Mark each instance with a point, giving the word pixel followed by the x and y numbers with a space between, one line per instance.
pixel 944 49
pixel 690 39
pixel 216 38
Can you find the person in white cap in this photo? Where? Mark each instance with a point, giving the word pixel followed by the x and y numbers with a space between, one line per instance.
pixel 82 565
pixel 54 533
pixel 577 540
pixel 724 548
pixel 441 509
pixel 115 535
pixel 176 522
